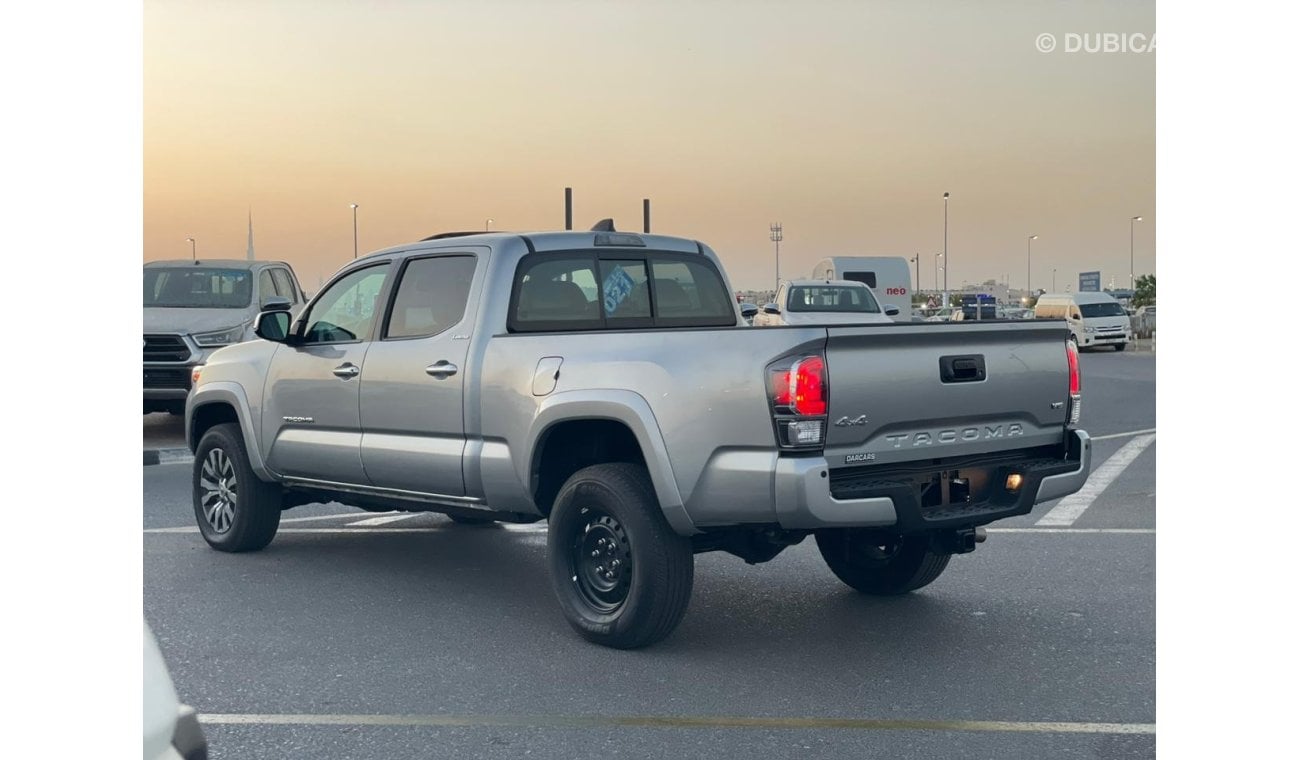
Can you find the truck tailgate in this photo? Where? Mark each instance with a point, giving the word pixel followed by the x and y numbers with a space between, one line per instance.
pixel 912 392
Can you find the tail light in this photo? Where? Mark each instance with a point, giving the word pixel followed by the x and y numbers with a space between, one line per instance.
pixel 1076 384
pixel 799 402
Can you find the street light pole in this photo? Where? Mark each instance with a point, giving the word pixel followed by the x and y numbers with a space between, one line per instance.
pixel 1131 284
pixel 937 256
pixel 354 230
pixel 776 237
pixel 487 225
pixel 945 249
pixel 1053 279
pixel 193 255
pixel 1029 254
pixel 916 259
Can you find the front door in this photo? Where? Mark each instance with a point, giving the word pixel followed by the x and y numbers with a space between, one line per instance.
pixel 311 420
pixel 412 393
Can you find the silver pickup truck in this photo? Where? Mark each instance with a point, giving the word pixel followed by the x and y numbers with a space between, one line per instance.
pixel 604 382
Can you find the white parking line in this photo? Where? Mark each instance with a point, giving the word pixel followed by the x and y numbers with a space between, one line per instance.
pixel 444 529
pixel 1111 531
pixel 1073 506
pixel 1129 434
pixel 673 721
pixel 337 516
pixel 384 520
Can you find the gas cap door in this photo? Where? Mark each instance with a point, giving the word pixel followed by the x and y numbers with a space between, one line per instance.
pixel 546 375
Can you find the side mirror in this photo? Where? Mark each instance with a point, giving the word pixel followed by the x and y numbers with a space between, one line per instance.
pixel 771 308
pixel 273 326
pixel 748 310
pixel 891 311
pixel 276 303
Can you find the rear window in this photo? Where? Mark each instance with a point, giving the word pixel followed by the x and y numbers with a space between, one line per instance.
pixel 866 278
pixel 617 290
pixel 1111 309
pixel 832 298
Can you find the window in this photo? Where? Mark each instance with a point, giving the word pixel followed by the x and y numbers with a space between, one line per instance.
pixel 556 293
pixel 583 291
pixel 1105 309
pixel 430 297
pixel 690 292
pixel 625 288
pixel 265 286
pixel 197 288
pixel 284 284
pixel 346 310
pixel 866 278
pixel 832 298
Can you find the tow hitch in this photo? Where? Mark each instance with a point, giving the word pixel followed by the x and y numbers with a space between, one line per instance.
pixel 960 541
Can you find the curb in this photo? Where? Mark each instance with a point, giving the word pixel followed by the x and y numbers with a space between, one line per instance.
pixel 167 456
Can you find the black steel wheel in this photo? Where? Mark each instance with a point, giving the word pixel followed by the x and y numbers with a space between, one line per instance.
pixel 879 563
pixel 600 560
pixel 622 576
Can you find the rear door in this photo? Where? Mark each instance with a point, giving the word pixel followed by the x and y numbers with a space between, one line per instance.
pixel 902 393
pixel 412 393
pixel 311 414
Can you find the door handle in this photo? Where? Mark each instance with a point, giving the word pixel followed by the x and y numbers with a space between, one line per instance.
pixel 346 371
pixel 441 369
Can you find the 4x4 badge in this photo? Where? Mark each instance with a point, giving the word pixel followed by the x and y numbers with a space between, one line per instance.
pixel 851 422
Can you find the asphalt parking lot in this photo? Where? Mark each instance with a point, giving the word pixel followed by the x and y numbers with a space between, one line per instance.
pixel 377 636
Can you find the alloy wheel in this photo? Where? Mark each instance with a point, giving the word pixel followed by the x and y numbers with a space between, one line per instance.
pixel 220 495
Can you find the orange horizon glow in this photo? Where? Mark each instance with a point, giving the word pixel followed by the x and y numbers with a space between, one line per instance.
pixel 846 122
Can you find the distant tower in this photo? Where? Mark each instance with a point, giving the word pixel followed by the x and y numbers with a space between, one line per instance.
pixel 250 234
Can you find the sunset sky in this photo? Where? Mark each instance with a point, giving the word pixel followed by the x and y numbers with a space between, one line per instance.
pixel 845 121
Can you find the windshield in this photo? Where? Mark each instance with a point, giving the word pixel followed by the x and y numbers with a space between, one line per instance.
pixel 832 298
pixel 1111 309
pixel 197 288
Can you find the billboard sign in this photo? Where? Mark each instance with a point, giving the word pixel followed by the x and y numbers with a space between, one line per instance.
pixel 1090 282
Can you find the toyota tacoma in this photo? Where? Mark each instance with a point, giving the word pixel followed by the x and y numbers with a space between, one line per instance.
pixel 604 382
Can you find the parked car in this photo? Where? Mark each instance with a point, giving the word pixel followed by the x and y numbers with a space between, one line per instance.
pixel 941 314
pixel 604 382
pixel 824 302
pixel 889 277
pixel 192 307
pixel 1144 321
pixel 1094 319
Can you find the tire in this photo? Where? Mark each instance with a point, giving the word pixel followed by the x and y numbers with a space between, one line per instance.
pixel 235 510
pixel 1121 346
pixel 880 564
pixel 611 509
pixel 470 520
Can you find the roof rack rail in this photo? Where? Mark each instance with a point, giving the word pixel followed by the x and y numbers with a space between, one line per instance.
pixel 442 235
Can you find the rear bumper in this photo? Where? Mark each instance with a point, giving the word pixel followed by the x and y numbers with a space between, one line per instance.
pixel 807 497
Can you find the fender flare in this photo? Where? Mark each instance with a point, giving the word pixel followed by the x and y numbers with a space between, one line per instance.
pixel 623 406
pixel 231 394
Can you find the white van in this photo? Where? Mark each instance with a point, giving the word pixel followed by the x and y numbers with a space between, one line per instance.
pixel 1095 319
pixel 889 277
